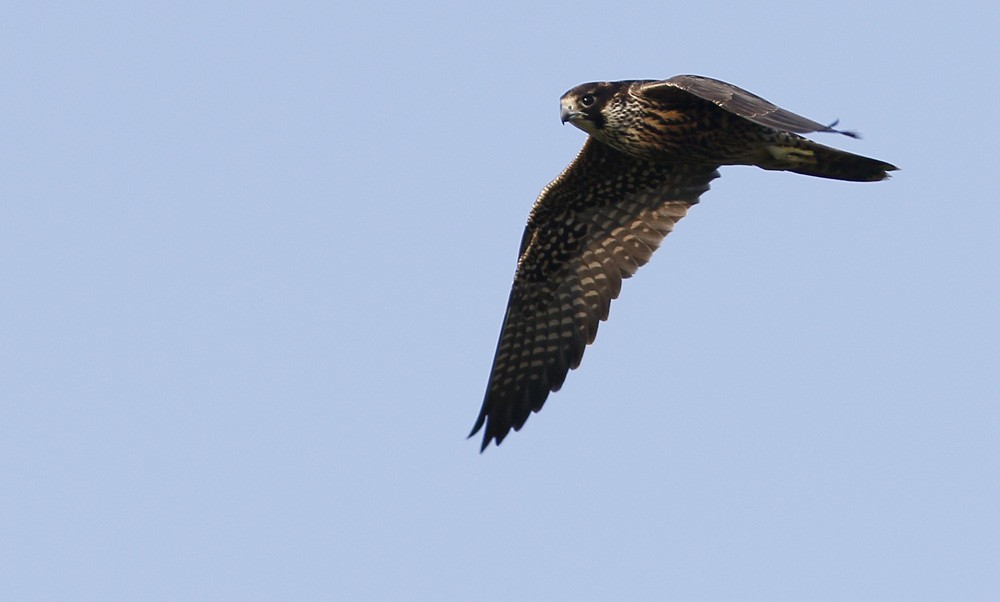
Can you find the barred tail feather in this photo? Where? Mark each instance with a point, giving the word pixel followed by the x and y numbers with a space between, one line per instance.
pixel 809 158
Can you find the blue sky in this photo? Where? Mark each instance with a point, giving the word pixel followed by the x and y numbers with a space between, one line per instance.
pixel 255 258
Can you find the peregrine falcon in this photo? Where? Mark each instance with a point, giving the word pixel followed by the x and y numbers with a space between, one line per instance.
pixel 653 147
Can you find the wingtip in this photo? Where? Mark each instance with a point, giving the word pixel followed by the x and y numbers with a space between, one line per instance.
pixel 485 443
pixel 849 133
pixel 476 428
pixel 487 435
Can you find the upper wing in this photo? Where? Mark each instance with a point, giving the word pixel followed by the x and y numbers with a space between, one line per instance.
pixel 739 101
pixel 591 227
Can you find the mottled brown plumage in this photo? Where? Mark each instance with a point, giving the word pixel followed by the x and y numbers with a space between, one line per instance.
pixel 653 148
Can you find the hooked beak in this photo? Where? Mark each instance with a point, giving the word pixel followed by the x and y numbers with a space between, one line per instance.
pixel 569 112
pixel 566 114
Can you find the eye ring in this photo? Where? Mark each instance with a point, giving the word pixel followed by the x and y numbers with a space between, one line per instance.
pixel 587 100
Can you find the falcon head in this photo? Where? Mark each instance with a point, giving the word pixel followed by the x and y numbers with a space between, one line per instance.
pixel 584 106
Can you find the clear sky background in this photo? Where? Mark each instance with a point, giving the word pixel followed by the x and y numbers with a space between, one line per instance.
pixel 254 259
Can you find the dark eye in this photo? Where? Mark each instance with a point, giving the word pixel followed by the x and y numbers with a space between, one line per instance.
pixel 587 100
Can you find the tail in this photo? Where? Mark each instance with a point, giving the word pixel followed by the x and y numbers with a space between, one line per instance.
pixel 806 157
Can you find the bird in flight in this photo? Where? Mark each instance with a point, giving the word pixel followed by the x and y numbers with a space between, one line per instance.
pixel 653 147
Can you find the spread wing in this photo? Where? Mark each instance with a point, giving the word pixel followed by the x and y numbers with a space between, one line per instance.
pixel 591 227
pixel 738 101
